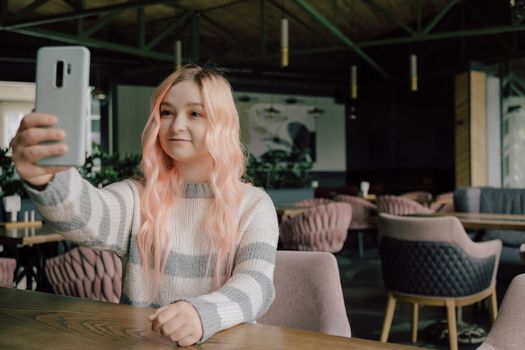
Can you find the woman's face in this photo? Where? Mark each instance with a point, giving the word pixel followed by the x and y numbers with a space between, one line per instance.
pixel 183 124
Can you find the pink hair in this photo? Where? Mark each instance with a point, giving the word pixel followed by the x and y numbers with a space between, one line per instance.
pixel 163 184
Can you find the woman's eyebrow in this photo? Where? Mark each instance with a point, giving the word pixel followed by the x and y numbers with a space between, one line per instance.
pixel 166 104
pixel 191 104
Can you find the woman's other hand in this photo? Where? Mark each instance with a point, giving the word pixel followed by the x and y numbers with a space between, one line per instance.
pixel 180 322
pixel 27 148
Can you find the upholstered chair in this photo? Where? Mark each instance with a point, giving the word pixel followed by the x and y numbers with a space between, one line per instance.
pixel 432 261
pixel 86 273
pixel 320 228
pixel 364 217
pixel 507 332
pixel 308 294
pixel 7 272
pixel 422 197
pixel 312 202
pixel 444 203
pixel 396 205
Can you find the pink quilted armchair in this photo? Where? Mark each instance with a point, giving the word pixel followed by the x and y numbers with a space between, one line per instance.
pixel 444 203
pixel 312 202
pixel 7 272
pixel 308 294
pixel 422 197
pixel 507 332
pixel 364 216
pixel 86 273
pixel 395 205
pixel 320 228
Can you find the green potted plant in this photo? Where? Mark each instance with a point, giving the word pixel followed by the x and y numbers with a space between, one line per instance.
pixel 101 168
pixel 10 183
pixel 285 175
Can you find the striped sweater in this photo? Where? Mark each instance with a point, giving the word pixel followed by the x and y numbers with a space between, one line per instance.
pixel 110 218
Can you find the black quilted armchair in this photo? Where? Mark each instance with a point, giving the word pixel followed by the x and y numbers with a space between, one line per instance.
pixel 432 261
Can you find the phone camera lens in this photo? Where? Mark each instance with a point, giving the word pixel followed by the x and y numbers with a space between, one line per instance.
pixel 59 74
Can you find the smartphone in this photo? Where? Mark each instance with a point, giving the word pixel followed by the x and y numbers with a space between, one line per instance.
pixel 62 89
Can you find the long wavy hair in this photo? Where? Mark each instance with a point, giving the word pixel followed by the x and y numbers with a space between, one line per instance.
pixel 163 185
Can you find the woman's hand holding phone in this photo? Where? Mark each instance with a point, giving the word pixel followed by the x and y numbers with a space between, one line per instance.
pixel 28 148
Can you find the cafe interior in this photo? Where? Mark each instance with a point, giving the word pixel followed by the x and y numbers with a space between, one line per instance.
pixel 386 133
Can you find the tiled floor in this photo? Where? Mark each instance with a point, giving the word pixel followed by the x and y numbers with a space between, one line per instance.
pixel 365 299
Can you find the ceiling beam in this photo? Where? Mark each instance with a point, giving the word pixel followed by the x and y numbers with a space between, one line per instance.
pixel 141 24
pixel 102 22
pixel 28 9
pixel 217 25
pixel 419 10
pixel 80 4
pixel 223 6
pixel 80 14
pixel 292 16
pixel 484 23
pixel 395 41
pixel 390 16
pixel 337 33
pixel 195 36
pixel 3 10
pixel 173 26
pixel 93 43
pixel 444 35
pixel 72 3
pixel 439 17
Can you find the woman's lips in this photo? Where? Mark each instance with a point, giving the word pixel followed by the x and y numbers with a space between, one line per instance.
pixel 179 140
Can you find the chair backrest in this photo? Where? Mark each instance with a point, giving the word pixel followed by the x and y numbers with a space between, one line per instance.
pixel 434 257
pixel 86 273
pixel 507 332
pixel 364 213
pixel 399 205
pixel 311 202
pixel 7 272
pixel 320 228
pixel 419 196
pixel 444 203
pixel 308 294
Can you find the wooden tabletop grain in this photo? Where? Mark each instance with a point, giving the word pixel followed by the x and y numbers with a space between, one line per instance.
pixel 32 320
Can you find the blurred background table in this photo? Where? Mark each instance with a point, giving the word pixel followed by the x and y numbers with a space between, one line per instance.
pixel 30 246
pixel 484 221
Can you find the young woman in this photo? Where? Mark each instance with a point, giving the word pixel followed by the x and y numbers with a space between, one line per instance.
pixel 195 241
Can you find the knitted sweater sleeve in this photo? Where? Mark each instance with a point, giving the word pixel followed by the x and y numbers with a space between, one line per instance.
pixel 250 291
pixel 98 218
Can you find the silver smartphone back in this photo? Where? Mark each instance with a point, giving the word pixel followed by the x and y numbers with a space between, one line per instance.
pixel 62 83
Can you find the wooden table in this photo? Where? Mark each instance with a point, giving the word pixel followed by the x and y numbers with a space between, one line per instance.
pixel 485 221
pixel 30 246
pixel 33 320
pixel 29 235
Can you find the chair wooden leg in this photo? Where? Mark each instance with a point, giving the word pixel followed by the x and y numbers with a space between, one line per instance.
pixel 389 315
pixel 452 327
pixel 415 317
pixel 493 306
